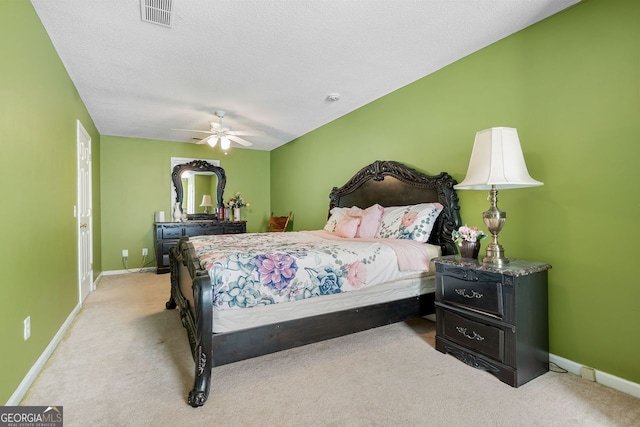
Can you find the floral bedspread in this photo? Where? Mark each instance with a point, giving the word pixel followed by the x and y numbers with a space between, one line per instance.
pixel 254 269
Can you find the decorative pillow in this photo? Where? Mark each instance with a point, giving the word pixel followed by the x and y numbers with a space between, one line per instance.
pixel 336 215
pixel 347 227
pixel 370 221
pixel 413 222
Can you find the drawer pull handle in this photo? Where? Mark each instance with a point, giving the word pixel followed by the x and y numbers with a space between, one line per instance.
pixel 472 295
pixel 475 336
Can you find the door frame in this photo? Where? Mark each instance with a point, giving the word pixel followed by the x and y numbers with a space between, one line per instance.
pixel 83 136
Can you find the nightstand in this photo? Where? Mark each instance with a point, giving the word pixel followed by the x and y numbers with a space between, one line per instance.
pixel 494 319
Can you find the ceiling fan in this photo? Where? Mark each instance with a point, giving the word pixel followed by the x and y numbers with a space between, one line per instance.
pixel 222 133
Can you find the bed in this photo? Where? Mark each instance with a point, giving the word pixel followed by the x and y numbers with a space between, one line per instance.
pixel 228 321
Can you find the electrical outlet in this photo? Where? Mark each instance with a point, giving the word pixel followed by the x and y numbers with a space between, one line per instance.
pixel 145 251
pixel 27 328
pixel 125 253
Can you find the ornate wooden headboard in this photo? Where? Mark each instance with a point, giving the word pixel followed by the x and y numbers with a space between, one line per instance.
pixel 391 183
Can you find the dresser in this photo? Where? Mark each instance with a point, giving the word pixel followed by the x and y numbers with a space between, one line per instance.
pixel 495 319
pixel 167 234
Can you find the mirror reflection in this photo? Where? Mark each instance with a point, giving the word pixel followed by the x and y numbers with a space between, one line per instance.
pixel 199 190
pixel 195 180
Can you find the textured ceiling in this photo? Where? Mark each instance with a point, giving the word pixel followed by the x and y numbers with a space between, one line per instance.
pixel 270 64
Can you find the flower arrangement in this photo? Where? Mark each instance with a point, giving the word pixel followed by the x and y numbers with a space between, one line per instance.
pixel 237 201
pixel 467 234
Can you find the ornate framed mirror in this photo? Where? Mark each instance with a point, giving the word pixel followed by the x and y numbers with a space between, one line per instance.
pixel 201 169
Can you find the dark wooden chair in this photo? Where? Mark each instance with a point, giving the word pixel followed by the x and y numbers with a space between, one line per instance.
pixel 278 223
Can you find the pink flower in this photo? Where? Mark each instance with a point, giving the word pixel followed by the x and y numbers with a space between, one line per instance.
pixel 467 234
pixel 357 274
pixel 276 270
pixel 409 218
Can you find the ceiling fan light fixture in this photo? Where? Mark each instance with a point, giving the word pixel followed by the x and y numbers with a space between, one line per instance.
pixel 222 133
pixel 225 143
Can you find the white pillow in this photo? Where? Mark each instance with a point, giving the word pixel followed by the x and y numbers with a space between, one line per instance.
pixel 413 222
pixel 336 215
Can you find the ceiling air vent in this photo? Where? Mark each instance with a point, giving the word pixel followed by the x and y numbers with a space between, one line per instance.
pixel 157 11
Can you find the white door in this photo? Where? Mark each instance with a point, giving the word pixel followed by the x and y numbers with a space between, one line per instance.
pixel 84 214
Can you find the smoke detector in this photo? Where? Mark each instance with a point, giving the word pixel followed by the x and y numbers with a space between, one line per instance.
pixel 157 11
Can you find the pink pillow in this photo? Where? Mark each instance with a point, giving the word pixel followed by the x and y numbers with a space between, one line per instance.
pixel 354 211
pixel 347 227
pixel 370 222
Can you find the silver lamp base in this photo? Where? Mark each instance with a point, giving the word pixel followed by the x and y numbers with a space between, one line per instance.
pixel 494 219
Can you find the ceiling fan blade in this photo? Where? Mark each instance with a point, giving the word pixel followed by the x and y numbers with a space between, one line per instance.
pixel 194 130
pixel 244 133
pixel 239 140
pixel 205 140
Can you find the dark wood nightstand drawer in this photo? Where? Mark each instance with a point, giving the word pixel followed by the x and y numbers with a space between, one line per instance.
pixel 481 337
pixel 172 233
pixel 476 290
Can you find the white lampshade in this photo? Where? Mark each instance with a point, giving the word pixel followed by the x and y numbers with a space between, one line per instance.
pixel 497 160
pixel 206 200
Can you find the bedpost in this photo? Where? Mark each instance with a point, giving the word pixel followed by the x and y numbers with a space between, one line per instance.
pixel 173 269
pixel 202 355
pixel 449 220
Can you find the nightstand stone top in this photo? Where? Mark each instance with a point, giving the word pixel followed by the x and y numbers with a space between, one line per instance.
pixel 515 267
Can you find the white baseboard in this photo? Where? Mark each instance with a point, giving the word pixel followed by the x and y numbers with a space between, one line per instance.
pixel 31 376
pixel 94 285
pixel 603 378
pixel 135 270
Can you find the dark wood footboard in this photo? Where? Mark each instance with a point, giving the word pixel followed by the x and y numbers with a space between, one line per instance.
pixel 210 350
pixel 197 322
pixel 247 343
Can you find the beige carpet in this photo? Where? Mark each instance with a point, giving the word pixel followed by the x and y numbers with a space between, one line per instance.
pixel 126 362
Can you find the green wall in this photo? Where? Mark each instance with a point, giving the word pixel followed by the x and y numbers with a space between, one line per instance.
pixel 39 106
pixel 136 182
pixel 571 86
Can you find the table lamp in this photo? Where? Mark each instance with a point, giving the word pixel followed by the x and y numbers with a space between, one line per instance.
pixel 496 163
pixel 206 203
